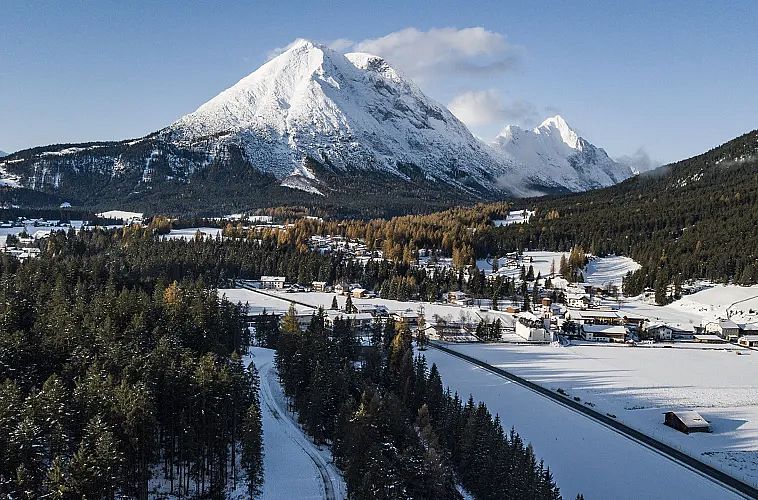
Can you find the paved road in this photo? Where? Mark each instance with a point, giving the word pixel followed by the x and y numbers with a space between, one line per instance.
pixel 677 456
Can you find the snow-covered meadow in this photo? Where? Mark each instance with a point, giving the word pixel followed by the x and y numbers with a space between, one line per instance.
pixel 600 271
pixel 584 456
pixel 638 384
pixel 191 232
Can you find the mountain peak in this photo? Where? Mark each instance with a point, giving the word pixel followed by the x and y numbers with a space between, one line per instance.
pixel 346 111
pixel 554 154
pixel 558 124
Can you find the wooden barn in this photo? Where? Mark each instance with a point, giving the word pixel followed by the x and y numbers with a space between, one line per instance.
pixel 686 421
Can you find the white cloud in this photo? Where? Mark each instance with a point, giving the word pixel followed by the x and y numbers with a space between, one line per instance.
pixel 449 51
pixel 340 44
pixel 485 107
pixel 639 160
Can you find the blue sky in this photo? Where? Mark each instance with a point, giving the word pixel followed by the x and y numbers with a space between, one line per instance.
pixel 674 78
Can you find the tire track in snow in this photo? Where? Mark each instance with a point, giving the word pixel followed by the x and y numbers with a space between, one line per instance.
pixel 330 477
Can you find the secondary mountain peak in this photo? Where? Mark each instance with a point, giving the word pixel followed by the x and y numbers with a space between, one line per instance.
pixel 558 124
pixel 554 155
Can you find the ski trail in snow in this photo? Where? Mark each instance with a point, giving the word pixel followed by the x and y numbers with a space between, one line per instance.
pixel 272 399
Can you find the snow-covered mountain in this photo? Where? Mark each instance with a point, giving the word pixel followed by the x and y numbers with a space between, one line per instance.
pixel 314 124
pixel 3 153
pixel 351 112
pixel 553 155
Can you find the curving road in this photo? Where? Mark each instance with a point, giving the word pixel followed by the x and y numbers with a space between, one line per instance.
pixel 273 404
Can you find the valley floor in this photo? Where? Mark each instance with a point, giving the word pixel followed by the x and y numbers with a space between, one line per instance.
pixel 584 456
pixel 639 384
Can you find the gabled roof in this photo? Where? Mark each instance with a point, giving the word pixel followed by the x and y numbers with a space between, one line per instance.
pixel 273 278
pixel 604 329
pixel 691 418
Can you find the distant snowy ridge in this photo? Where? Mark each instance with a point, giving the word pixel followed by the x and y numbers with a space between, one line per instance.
pixel 3 153
pixel 554 155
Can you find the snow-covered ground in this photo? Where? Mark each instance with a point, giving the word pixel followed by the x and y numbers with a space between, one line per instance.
pixel 583 455
pixel 31 229
pixel 190 232
pixel 514 217
pixel 294 467
pixel 601 271
pixel 120 214
pixel 257 301
pixel 540 261
pixel 448 312
pixel 740 303
pixel 638 384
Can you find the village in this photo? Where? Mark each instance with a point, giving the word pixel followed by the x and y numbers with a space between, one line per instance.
pixel 565 312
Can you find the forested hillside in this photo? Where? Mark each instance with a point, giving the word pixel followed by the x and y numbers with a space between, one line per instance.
pixel 693 219
pixel 396 432
pixel 121 375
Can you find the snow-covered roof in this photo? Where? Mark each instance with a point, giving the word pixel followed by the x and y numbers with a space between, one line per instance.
pixel 120 214
pixel 278 279
pixel 604 329
pixel 528 316
pixel 691 418
pixel 593 314
pixel 361 316
pixel 708 337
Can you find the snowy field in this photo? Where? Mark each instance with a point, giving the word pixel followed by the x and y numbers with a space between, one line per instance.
pixel 639 384
pixel 257 302
pixel 31 229
pixel 448 312
pixel 120 214
pixel 294 467
pixel 540 261
pixel 514 217
pixel 583 455
pixel 190 232
pixel 601 271
pixel 738 302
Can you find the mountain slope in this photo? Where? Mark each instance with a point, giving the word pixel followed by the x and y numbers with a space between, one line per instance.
pixel 553 155
pixel 692 219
